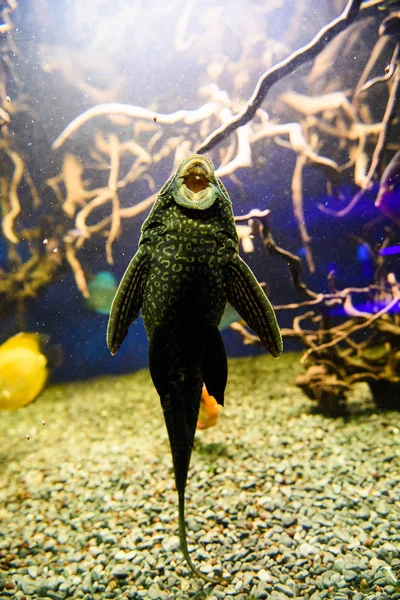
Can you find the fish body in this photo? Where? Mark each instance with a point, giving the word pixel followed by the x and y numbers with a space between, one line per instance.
pixel 102 289
pixel 185 270
pixel 388 198
pixel 23 370
pixel 209 410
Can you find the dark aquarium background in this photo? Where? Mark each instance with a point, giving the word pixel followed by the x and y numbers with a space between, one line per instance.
pixel 101 100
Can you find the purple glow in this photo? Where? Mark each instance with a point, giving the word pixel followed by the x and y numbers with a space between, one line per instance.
pixel 367 307
pixel 390 250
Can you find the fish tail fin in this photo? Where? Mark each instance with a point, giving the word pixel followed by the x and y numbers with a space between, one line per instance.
pixel 183 542
pixel 180 401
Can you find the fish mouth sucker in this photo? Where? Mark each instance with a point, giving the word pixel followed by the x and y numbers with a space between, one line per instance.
pixel 196 163
pixel 195 182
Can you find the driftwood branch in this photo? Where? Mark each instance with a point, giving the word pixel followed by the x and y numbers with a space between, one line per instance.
pixel 281 70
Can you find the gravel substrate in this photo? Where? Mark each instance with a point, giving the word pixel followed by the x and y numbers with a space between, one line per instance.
pixel 291 504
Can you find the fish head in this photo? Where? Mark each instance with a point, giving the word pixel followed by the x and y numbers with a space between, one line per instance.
pixel 195 184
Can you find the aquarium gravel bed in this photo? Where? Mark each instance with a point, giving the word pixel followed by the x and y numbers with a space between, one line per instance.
pixel 291 504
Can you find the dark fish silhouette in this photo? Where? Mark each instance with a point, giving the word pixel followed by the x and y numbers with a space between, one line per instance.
pixel 186 269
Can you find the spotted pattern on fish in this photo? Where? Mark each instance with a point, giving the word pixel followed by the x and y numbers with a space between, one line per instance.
pixel 186 269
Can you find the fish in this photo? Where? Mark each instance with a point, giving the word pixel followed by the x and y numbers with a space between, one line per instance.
pixel 24 370
pixel 209 410
pixel 229 316
pixel 102 289
pixel 187 267
pixel 388 197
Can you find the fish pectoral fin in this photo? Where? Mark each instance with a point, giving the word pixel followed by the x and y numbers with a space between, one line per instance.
pixel 127 301
pixel 215 365
pixel 247 297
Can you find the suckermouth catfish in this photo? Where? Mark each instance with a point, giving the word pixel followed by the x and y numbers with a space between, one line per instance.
pixel 186 269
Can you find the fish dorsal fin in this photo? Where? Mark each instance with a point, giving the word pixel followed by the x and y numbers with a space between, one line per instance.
pixel 127 301
pixel 247 297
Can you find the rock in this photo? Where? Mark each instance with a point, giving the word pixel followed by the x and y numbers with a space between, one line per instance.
pixel 285 589
pixel 121 571
pixel 27 586
pixel 155 593
pixel 54 595
pixel 33 571
pixel 383 509
pixel 339 565
pixel 171 544
pixel 289 519
pixel 263 575
pixel 273 551
pixel 364 513
pixel 305 550
pixel 87 583
pixel 349 575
